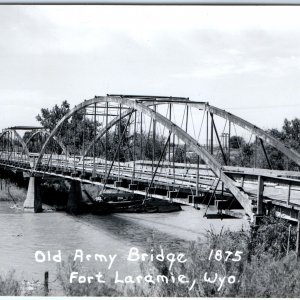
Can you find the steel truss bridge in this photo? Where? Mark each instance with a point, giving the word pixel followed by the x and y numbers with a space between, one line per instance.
pixel 169 148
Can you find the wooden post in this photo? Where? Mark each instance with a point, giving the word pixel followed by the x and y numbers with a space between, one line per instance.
pixel 289 194
pixel 288 241
pixel 46 283
pixel 255 153
pixel 242 181
pixel 260 191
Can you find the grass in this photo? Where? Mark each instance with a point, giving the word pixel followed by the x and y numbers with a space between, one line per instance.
pixel 266 268
pixel 9 286
pixel 13 193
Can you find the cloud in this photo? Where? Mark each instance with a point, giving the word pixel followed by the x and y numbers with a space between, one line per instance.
pixel 223 54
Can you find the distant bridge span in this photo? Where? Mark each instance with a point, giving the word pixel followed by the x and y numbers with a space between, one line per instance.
pixel 161 115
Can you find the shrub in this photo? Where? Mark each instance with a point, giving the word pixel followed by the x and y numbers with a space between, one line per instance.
pixel 9 286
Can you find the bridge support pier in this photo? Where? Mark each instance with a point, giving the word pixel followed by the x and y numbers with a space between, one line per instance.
pixel 75 197
pixel 33 201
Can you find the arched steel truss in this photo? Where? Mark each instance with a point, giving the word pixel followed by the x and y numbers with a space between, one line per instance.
pixel 46 132
pixel 290 153
pixel 216 167
pixel 19 138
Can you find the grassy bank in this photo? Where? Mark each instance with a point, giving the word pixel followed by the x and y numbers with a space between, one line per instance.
pixel 263 267
pixel 9 286
pixel 13 193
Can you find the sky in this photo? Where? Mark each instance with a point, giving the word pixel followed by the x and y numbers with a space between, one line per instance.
pixel 245 59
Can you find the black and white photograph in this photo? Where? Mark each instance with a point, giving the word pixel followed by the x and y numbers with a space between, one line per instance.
pixel 150 150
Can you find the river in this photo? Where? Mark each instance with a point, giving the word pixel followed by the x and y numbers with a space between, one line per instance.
pixel 22 234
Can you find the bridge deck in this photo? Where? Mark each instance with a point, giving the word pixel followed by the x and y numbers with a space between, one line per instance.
pixel 283 192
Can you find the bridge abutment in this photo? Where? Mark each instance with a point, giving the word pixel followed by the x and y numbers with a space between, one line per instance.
pixel 75 197
pixel 33 201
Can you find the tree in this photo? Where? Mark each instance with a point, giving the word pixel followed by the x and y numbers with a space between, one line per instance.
pixel 75 133
pixel 237 142
pixel 50 117
pixel 289 135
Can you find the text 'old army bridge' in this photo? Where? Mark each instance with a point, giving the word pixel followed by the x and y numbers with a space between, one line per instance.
pixel 169 148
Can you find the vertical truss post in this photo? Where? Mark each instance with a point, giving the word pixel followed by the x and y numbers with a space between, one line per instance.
pixel 74 143
pixel 186 130
pixel 141 137
pixel 83 142
pixel 158 163
pixel 170 118
pixel 197 176
pixel 229 136
pixel 8 142
pixel 207 125
pixel 173 158
pixel 8 146
pixel 153 140
pixel 120 112
pixel 13 146
pixel 116 153
pixel 18 151
pixel 134 145
pixel 94 142
pixel 211 135
pixel 106 137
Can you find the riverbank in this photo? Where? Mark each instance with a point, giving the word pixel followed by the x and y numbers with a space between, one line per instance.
pixel 244 263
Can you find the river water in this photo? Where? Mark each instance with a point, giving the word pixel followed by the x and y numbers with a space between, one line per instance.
pixel 22 234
